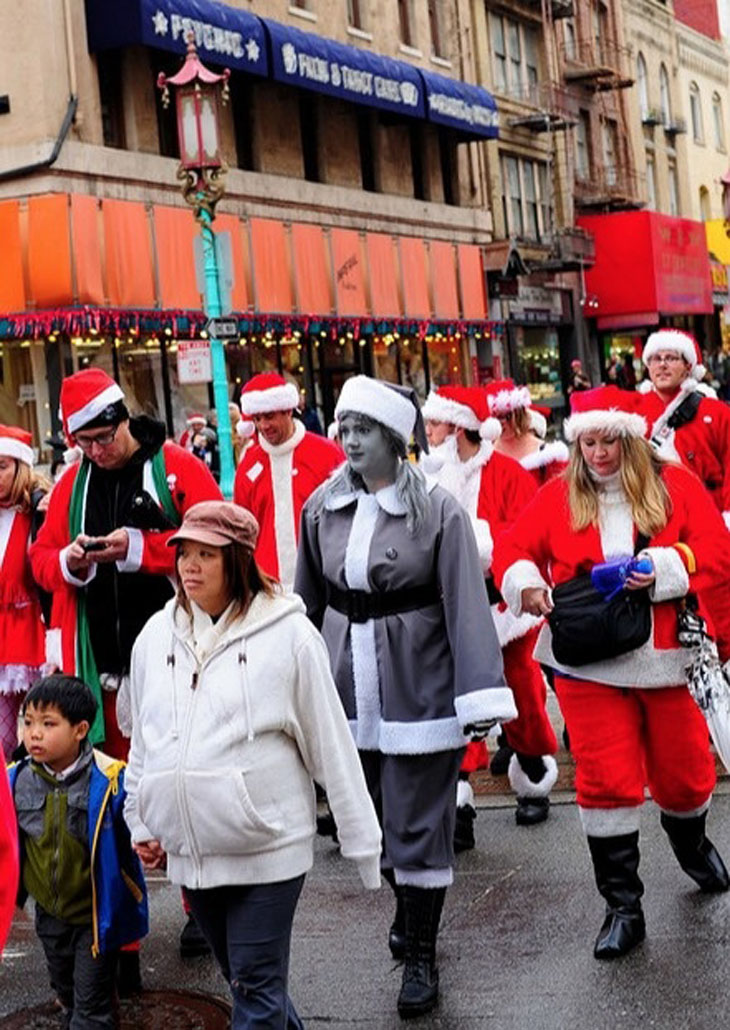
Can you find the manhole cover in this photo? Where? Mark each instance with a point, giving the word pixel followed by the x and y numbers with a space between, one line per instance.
pixel 175 1010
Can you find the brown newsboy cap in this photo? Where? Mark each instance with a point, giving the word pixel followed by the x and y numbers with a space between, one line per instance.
pixel 218 523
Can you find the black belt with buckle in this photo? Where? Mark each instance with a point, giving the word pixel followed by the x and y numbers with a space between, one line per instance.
pixel 493 594
pixel 361 605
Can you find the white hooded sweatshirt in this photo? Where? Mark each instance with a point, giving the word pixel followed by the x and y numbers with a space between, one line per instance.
pixel 231 723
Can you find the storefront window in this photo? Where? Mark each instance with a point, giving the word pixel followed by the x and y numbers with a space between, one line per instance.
pixel 447 361
pixel 622 355
pixel 538 359
pixel 400 360
pixel 24 388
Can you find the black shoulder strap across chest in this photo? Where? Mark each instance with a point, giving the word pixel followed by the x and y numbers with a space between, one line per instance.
pixel 686 411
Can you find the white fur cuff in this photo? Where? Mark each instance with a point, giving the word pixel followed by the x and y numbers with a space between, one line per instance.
pixel 726 518
pixel 135 551
pixel 485 543
pixel 479 705
pixel 68 574
pixel 609 822
pixel 672 578
pixel 524 787
pixel 518 577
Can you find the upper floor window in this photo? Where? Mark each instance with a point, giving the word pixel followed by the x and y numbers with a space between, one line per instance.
pixel 705 213
pixel 571 43
pixel 354 14
pixel 695 110
pixel 651 182
pixel 526 197
pixel 438 35
pixel 673 187
pixel 515 56
pixel 717 121
pixel 405 22
pixel 583 146
pixel 642 85
pixel 665 100
pixel 610 151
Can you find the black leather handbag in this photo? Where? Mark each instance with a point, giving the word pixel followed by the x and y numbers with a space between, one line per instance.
pixel 587 628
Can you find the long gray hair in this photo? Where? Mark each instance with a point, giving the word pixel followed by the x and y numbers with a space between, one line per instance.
pixel 410 483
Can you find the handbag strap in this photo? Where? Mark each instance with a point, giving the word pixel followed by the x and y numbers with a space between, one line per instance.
pixel 642 541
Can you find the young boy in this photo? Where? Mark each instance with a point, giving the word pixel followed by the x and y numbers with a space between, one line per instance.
pixel 76 859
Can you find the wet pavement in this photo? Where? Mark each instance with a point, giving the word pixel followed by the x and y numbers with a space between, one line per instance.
pixel 514 951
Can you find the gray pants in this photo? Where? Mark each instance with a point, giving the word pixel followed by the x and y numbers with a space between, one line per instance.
pixel 415 798
pixel 84 984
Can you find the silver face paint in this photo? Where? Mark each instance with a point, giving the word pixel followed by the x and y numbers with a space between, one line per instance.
pixel 368 451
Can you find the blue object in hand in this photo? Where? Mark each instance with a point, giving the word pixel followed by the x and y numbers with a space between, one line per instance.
pixel 609 578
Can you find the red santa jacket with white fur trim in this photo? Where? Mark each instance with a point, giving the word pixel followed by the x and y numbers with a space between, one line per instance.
pixel 189 482
pixel 493 489
pixel 273 482
pixel 703 444
pixel 541 550
pixel 548 461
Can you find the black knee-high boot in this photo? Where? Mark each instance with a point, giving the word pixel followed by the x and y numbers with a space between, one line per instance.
pixel 616 864
pixel 697 855
pixel 397 932
pixel 420 987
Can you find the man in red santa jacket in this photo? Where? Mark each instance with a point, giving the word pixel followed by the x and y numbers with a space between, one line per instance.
pixel 688 426
pixel 494 489
pixel 279 472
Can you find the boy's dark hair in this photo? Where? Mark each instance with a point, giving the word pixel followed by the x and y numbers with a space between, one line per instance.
pixel 68 694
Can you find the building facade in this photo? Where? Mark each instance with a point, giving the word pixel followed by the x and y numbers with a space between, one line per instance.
pixel 356 203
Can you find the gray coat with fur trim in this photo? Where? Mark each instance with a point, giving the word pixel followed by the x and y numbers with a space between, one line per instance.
pixel 408 682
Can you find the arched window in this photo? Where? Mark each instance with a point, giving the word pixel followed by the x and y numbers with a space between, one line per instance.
pixel 704 203
pixel 717 121
pixel 642 85
pixel 666 103
pixel 695 110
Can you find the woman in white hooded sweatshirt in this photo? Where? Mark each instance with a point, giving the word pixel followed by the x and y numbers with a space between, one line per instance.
pixel 234 714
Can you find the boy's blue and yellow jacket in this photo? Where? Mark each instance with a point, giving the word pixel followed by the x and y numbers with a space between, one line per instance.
pixel 118 893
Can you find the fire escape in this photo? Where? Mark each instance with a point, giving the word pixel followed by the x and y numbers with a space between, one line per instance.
pixel 595 69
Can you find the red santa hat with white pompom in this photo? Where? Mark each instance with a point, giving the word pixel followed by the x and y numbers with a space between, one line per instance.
pixel 16 443
pixel 267 392
pixel 605 409
pixel 504 397
pixel 463 406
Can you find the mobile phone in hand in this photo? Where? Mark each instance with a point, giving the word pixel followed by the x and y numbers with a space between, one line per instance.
pixel 93 545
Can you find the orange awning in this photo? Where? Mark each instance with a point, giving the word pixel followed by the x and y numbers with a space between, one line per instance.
pixel 443 279
pixel 271 266
pixel 349 270
pixel 128 253
pixel 86 250
pixel 471 282
pixel 385 298
pixel 12 288
pixel 414 267
pixel 312 273
pixel 175 231
pixel 49 250
pixel 242 292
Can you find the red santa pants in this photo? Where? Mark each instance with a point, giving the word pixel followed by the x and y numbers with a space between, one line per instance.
pixel 623 738
pixel 531 733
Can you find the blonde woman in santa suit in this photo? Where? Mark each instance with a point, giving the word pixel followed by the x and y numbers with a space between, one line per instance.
pixel 625 714
pixel 22 632
pixel 523 431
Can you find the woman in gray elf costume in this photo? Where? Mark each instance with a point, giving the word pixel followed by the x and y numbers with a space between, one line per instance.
pixel 389 571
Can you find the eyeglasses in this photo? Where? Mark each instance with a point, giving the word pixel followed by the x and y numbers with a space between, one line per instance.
pixel 102 440
pixel 664 359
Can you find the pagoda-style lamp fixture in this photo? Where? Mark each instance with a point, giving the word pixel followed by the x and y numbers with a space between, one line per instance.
pixel 199 92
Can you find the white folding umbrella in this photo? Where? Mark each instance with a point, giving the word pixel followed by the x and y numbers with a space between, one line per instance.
pixel 707 680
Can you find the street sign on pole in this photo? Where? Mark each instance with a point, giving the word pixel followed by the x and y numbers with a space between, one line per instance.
pixel 222 328
pixel 194 363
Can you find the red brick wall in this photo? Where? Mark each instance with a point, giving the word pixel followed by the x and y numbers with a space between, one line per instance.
pixel 701 15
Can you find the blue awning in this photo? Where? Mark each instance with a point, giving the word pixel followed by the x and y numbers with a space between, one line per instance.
pixel 223 35
pixel 460 105
pixel 360 76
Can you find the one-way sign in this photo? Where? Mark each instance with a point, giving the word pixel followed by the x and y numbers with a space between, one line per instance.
pixel 222 328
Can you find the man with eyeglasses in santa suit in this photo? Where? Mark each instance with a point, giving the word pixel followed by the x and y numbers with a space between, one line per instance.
pixel 690 425
pixel 102 550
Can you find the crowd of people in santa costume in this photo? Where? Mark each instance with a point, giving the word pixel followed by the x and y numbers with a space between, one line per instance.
pixel 405 583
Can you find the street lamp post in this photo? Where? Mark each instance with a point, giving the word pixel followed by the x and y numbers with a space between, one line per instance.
pixel 198 92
